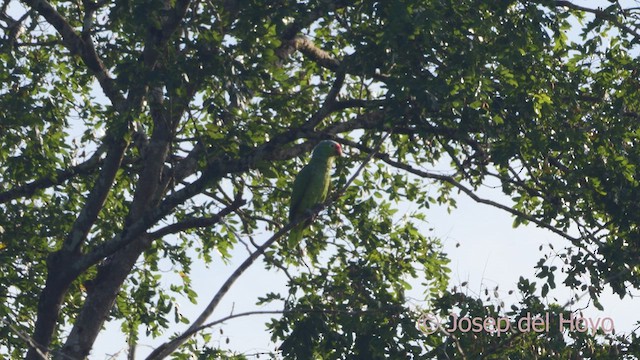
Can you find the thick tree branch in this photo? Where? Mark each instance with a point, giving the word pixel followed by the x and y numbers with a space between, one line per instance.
pixel 148 190
pixel 62 266
pixel 150 186
pixel 59 277
pixel 96 198
pixel 103 289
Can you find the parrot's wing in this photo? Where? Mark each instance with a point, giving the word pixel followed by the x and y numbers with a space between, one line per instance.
pixel 327 192
pixel 299 192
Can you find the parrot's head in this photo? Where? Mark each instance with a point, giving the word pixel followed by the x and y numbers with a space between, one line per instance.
pixel 327 148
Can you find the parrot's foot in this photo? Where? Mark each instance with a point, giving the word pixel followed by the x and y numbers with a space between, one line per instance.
pixel 310 214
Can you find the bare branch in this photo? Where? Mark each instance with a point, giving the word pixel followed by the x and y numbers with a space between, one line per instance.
pixel 185 336
pixel 167 348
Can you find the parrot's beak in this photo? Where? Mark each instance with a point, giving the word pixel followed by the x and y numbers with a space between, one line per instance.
pixel 339 150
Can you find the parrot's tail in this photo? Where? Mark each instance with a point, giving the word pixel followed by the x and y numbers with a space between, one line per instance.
pixel 295 237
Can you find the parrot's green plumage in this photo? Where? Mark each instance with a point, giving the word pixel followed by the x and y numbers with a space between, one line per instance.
pixel 311 186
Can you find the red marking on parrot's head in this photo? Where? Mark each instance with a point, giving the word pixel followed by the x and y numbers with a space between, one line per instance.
pixel 338 149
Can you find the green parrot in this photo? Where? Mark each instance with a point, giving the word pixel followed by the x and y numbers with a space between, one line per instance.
pixel 311 186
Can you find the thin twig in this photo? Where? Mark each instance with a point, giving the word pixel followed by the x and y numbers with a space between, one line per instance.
pixel 198 222
pixel 284 312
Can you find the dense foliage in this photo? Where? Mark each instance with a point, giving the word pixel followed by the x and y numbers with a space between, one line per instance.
pixel 137 132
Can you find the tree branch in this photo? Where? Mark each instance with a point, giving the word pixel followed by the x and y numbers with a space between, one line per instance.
pixel 25 337
pixel 469 192
pixel 167 348
pixel 198 222
pixel 600 14
pixel 148 193
pixel 60 264
pixel 185 336
pixel 60 177
pixel 309 49
pixel 82 47
pixel 450 180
